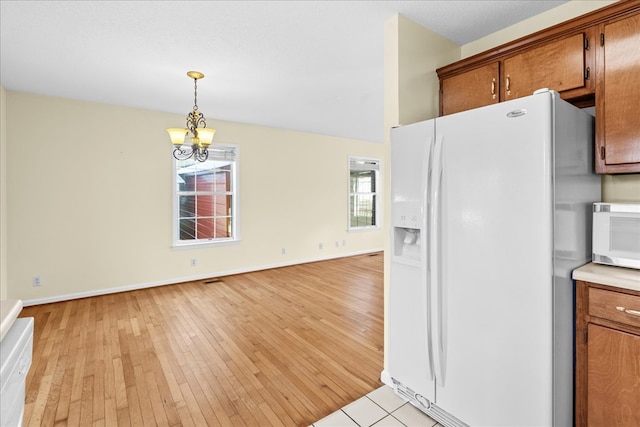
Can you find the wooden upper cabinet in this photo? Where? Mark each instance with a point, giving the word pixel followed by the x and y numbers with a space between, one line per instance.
pixel 593 59
pixel 618 97
pixel 471 89
pixel 558 65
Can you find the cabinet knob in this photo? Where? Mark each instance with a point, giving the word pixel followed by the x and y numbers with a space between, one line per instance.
pixel 508 84
pixel 493 88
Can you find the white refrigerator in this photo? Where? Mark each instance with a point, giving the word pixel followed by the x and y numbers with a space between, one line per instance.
pixel 491 211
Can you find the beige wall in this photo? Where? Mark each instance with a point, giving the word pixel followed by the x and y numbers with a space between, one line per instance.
pixel 420 53
pixel 3 196
pixel 90 199
pixel 621 188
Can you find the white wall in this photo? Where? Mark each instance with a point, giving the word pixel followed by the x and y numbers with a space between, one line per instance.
pixel 89 192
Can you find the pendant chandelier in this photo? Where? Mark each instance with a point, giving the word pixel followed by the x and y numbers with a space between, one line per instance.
pixel 201 137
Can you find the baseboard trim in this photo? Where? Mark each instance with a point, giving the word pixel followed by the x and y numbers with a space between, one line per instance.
pixel 106 291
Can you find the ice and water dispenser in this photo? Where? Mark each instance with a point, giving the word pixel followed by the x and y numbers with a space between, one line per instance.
pixel 407 232
pixel 409 159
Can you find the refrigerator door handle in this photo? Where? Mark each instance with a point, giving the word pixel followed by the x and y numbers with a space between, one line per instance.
pixel 426 251
pixel 437 261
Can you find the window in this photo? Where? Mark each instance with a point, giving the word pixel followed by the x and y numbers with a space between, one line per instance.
pixel 363 193
pixel 206 198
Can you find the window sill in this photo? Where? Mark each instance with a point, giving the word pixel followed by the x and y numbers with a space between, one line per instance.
pixel 361 229
pixel 206 244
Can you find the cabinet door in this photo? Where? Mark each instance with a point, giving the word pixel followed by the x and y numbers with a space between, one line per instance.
pixel 557 65
pixel 618 98
pixel 471 89
pixel 613 378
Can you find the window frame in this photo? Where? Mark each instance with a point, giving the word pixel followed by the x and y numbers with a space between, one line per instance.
pixel 235 205
pixel 377 194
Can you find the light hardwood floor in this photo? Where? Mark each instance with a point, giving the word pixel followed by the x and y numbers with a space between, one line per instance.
pixel 282 347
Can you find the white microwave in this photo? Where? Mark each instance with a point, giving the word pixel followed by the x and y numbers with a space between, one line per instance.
pixel 616 234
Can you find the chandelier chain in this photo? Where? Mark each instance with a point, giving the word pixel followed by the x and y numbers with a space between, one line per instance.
pixel 195 94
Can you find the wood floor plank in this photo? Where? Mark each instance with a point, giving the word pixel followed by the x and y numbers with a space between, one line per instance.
pixel 191 413
pixel 279 347
pixel 110 412
pixel 64 395
pixel 74 413
pixel 133 407
pixel 86 401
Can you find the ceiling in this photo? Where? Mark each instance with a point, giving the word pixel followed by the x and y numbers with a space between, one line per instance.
pixel 313 66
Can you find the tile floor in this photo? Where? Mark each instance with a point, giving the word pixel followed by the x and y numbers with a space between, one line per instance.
pixel 380 408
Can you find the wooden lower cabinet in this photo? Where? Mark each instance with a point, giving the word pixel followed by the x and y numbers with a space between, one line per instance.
pixel 607 356
pixel 613 373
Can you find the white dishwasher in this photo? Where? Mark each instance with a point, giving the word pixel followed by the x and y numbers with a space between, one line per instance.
pixel 16 349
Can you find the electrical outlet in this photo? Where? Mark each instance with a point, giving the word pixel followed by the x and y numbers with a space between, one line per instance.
pixel 194 262
pixel 320 246
pixel 36 281
pixel 337 244
pixel 284 251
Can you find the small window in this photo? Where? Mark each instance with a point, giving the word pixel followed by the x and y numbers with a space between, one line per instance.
pixel 363 193
pixel 206 198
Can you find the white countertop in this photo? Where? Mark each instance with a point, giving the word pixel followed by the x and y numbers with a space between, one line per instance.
pixel 627 278
pixel 9 310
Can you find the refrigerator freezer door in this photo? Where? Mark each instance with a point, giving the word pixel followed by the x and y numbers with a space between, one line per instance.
pixel 409 360
pixel 494 300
